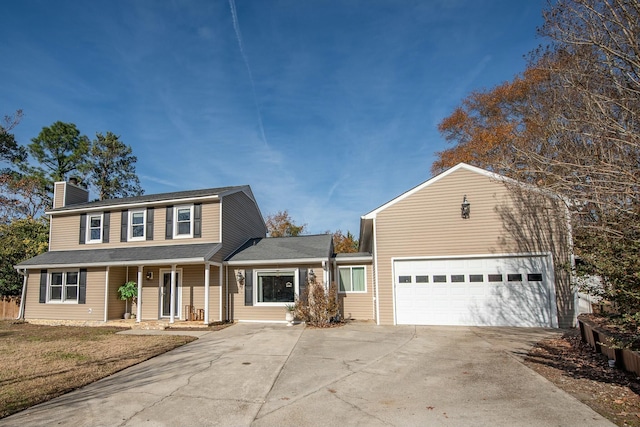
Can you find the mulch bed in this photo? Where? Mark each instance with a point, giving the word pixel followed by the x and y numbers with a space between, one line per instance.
pixel 577 369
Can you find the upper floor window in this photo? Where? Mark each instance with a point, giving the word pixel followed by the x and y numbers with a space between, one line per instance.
pixel 137 224
pixel 352 279
pixel 94 228
pixel 183 221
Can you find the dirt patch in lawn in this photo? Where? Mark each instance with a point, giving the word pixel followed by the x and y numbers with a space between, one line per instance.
pixel 42 362
pixel 575 368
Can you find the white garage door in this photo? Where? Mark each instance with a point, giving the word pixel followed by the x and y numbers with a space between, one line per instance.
pixel 492 291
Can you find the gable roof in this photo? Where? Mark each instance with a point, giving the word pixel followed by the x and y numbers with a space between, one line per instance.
pixel 313 248
pixel 149 199
pixel 149 255
pixel 366 221
pixel 435 179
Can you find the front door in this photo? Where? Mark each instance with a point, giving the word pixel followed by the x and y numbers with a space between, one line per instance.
pixel 166 295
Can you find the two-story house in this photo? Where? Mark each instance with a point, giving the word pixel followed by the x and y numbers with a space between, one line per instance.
pixel 172 245
pixel 466 247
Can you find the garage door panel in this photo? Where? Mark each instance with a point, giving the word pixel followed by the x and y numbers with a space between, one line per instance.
pixel 497 291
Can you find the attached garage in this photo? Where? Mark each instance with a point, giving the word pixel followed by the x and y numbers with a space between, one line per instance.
pixel 476 291
pixel 471 247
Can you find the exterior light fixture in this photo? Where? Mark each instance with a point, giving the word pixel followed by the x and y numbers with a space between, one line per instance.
pixel 240 278
pixel 311 276
pixel 149 275
pixel 465 208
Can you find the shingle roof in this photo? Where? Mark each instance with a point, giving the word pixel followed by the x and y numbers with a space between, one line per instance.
pixel 123 256
pixel 152 198
pixel 284 248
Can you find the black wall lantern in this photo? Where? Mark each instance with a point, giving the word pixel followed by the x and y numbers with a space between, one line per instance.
pixel 465 208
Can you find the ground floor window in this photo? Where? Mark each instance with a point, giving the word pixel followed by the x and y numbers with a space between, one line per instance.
pixel 63 286
pixel 276 286
pixel 352 279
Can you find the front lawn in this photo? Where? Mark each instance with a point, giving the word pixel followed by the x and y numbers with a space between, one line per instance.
pixel 42 362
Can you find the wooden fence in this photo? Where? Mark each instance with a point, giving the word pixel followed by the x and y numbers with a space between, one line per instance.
pixel 9 308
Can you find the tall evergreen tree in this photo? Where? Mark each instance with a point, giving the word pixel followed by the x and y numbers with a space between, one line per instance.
pixel 111 168
pixel 60 151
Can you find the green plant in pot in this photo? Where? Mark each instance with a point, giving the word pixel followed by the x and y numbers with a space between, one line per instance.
pixel 129 293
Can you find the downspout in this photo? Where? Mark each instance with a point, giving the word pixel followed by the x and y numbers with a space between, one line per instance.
pixel 24 294
pixel 226 273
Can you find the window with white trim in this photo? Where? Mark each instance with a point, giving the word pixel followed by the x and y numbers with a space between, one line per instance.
pixel 63 286
pixel 94 228
pixel 352 279
pixel 183 221
pixel 276 287
pixel 137 224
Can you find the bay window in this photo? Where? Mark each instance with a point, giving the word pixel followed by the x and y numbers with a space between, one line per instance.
pixel 277 287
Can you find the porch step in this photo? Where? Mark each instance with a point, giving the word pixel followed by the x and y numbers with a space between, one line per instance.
pixel 154 325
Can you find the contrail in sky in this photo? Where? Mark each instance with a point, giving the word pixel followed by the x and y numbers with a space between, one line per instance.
pixel 236 27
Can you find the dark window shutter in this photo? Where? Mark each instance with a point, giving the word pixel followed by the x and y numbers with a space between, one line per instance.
pixel 83 229
pixel 82 291
pixel 106 219
pixel 248 287
pixel 169 226
pixel 149 224
pixel 124 232
pixel 197 220
pixel 43 286
pixel 302 282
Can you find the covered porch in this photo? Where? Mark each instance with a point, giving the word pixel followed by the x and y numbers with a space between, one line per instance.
pixel 174 283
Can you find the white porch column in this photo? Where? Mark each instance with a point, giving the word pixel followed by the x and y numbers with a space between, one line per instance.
pixel 172 316
pixel 207 268
pixel 139 303
pixel 220 290
pixel 106 295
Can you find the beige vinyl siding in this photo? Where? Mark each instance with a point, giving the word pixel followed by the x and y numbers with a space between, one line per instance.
pixel 116 306
pixel 356 305
pixel 429 223
pixel 192 290
pixel 241 221
pixel 65 194
pixel 92 310
pixel 58 195
pixel 241 312
pixel 65 230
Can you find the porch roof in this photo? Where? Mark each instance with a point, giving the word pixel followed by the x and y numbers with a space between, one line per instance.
pixel 313 248
pixel 145 255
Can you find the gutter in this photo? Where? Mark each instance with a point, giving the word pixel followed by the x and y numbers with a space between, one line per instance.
pixel 24 293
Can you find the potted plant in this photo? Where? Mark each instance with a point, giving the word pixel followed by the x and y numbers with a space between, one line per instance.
pixel 128 292
pixel 290 313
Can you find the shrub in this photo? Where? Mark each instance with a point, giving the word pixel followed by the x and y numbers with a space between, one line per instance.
pixel 317 306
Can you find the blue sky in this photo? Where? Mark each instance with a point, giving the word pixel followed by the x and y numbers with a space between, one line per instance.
pixel 326 108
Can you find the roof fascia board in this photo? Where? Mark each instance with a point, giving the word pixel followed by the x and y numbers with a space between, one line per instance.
pixel 353 259
pixel 276 261
pixel 116 263
pixel 134 204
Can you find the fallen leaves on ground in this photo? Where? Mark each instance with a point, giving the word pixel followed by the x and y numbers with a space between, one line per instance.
pixel 575 368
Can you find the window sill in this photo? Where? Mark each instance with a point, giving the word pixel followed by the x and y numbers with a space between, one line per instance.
pixel 273 304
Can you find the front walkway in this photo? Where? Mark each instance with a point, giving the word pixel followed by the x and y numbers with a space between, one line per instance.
pixel 360 374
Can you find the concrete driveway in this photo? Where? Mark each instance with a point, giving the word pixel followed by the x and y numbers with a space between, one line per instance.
pixel 356 375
